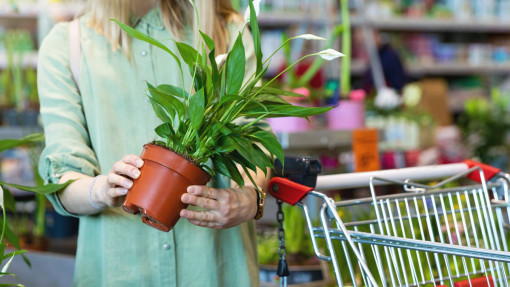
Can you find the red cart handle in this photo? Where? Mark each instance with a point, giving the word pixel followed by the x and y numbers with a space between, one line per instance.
pixel 488 171
pixel 287 191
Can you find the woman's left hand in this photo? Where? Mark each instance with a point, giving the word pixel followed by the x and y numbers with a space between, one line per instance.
pixel 224 207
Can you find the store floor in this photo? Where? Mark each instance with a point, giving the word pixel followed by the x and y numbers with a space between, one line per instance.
pixel 48 270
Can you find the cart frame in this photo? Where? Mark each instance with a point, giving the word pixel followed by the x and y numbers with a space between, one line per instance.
pixel 446 226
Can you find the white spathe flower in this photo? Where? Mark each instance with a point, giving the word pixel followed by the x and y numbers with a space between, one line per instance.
pixel 220 60
pixel 330 54
pixel 310 37
pixel 256 4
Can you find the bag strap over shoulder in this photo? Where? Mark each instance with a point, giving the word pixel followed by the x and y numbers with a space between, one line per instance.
pixel 75 50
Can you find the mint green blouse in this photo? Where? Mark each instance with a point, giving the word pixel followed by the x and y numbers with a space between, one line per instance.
pixel 90 129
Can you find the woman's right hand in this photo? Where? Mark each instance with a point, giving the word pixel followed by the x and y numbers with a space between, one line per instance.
pixel 120 179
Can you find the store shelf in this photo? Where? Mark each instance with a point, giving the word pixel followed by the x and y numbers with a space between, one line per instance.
pixel 319 139
pixel 442 69
pixel 17 132
pixel 9 15
pixel 289 18
pixel 397 23
pixel 29 60
pixel 435 25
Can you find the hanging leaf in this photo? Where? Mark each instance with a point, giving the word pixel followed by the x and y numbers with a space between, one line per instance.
pixel 236 63
pixel 173 91
pixel 30 139
pixel 11 237
pixel 45 189
pixel 196 109
pixel 270 142
pixel 9 201
pixel 169 103
pixel 255 32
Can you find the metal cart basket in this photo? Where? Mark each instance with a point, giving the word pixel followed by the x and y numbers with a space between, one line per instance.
pixel 427 235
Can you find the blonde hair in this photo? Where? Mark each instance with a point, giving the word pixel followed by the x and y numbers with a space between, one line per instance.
pixel 177 15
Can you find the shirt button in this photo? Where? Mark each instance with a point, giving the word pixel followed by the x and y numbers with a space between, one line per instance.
pixel 143 53
pixel 166 246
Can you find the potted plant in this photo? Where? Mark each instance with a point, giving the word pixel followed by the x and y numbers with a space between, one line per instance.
pixel 199 125
pixel 7 202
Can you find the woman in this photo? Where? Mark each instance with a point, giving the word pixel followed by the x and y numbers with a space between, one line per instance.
pixel 93 136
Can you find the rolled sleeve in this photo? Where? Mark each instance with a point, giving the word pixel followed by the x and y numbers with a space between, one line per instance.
pixel 68 145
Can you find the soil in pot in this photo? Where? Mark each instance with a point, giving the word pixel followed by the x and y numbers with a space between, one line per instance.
pixel 156 194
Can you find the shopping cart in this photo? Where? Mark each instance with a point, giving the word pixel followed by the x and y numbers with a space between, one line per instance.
pixel 427 235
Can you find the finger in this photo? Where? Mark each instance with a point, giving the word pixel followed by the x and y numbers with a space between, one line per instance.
pixel 204 224
pixel 126 169
pixel 204 202
pixel 119 181
pixel 203 190
pixel 133 160
pixel 117 191
pixel 203 216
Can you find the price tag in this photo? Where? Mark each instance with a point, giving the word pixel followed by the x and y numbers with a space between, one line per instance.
pixel 365 149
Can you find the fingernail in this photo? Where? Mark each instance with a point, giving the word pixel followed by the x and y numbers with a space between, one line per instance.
pixel 123 190
pixel 192 189
pixel 136 173
pixel 139 163
pixel 184 213
pixel 186 198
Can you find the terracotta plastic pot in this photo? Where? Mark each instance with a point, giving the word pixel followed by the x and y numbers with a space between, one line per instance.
pixel 156 194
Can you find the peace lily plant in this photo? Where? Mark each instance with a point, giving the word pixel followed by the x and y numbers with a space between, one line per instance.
pixel 200 123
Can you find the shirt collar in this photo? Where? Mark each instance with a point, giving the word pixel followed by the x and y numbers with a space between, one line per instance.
pixel 152 18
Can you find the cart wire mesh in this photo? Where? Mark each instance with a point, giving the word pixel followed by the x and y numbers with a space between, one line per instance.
pixel 425 235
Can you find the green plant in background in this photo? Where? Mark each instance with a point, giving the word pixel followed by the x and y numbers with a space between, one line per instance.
pixel 7 202
pixel 201 123
pixel 485 125
pixel 19 83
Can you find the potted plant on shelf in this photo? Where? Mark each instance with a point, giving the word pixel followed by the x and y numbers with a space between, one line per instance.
pixel 200 125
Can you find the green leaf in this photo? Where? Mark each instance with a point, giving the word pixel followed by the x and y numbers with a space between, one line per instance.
pixel 45 189
pixel 241 160
pixel 229 99
pixel 208 41
pixel 9 201
pixel 189 55
pixel 148 39
pixel 256 37
pixel 165 131
pixel 196 109
pixel 270 142
pixel 276 91
pixel 158 109
pixel 11 236
pixel 223 83
pixel 236 62
pixel 173 90
pixel 29 139
pixel 160 112
pixel 14 253
pixel 245 149
pixel 169 103
pixel 273 111
pixel 225 145
pixel 269 99
pixel 227 167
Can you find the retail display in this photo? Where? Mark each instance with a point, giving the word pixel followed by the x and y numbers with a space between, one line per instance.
pixel 204 125
pixel 446 64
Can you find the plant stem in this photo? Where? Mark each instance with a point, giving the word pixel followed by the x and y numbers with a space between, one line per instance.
pixel 317 63
pixel 345 75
